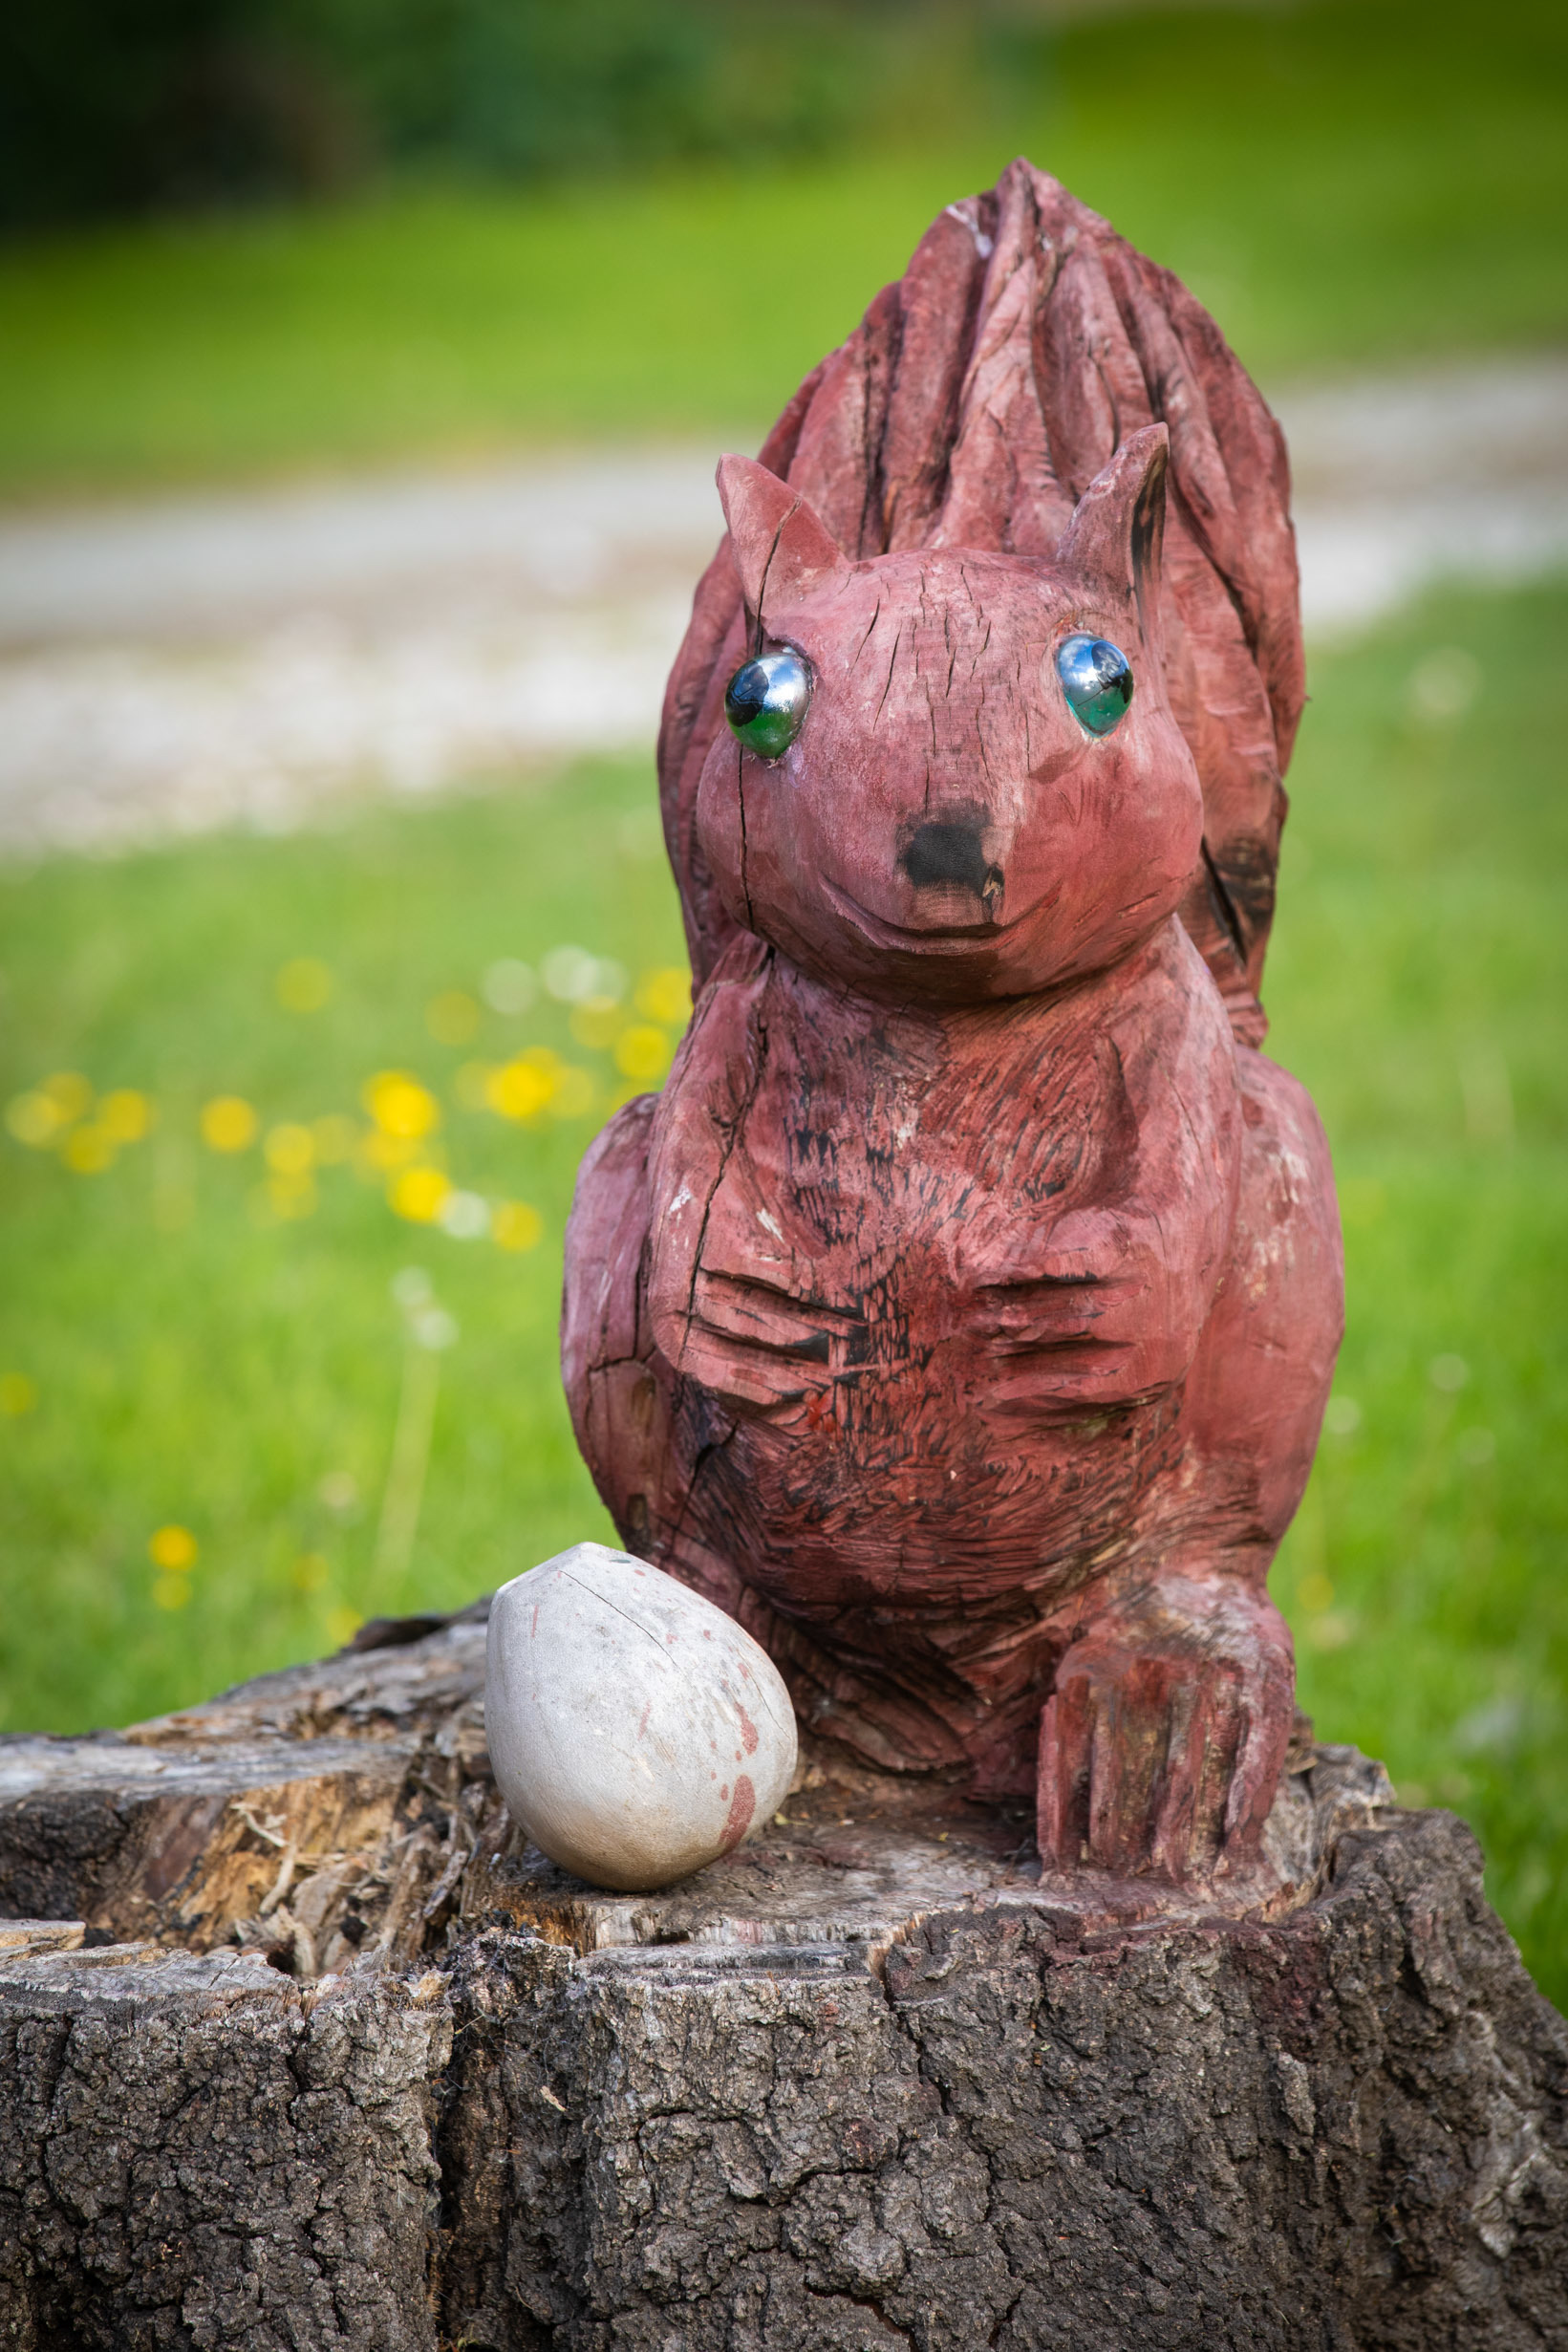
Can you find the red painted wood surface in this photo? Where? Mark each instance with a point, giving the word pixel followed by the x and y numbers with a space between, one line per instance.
pixel 961 1315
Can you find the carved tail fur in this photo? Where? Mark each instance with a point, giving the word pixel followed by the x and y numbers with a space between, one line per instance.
pixel 972 407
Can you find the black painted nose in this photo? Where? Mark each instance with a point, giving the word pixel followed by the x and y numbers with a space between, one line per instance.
pixel 939 854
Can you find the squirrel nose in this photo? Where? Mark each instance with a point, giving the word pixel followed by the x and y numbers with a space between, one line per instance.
pixel 939 854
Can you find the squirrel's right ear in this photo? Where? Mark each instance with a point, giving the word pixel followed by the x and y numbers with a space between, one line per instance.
pixel 782 547
pixel 1118 525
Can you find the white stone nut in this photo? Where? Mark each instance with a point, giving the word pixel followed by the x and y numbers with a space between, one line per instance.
pixel 636 1731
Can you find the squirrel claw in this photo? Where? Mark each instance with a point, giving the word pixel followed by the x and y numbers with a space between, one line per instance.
pixel 1161 1741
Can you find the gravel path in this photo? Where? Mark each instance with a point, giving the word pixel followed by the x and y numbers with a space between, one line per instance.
pixel 250 657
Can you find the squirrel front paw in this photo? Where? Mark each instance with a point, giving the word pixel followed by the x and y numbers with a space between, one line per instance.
pixel 1162 1743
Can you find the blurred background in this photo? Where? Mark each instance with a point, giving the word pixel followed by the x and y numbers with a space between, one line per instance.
pixel 362 368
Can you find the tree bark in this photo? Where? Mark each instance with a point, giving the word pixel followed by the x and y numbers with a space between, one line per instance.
pixel 303 2048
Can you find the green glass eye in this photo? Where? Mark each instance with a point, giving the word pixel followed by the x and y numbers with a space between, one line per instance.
pixel 765 702
pixel 1097 679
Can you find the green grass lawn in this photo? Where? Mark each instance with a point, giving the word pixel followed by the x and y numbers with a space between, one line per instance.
pixel 189 1341
pixel 1419 984
pixel 1342 184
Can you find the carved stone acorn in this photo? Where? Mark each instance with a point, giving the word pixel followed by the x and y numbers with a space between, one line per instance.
pixel 637 1732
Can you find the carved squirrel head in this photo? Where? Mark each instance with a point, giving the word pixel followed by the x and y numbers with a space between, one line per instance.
pixel 952 775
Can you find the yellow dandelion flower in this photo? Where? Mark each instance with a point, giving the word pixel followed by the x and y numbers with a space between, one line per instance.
pixel 289 1150
pixel 311 1573
pixel 399 1105
pixel 88 1150
pixel 172 1547
pixel 376 1152
pixel 336 1139
pixel 452 1016
pixel 573 1094
pixel 597 1022
pixel 125 1115
pixel 419 1194
pixel 292 1195
pixel 665 995
pixel 303 985
pixel 514 1226
pixel 170 1591
pixel 229 1123
pixel 33 1119
pixel 19 1394
pixel 642 1052
pixel 70 1094
pixel 519 1090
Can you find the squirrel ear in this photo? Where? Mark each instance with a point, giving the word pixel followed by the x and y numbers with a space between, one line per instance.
pixel 1118 525
pixel 782 547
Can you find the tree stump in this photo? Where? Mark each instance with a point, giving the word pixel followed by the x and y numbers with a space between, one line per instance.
pixel 304 2048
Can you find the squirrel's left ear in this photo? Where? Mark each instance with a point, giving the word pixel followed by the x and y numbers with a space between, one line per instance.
pixel 782 549
pixel 1118 525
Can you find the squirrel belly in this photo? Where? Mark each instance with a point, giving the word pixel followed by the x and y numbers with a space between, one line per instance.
pixel 913 1261
pixel 920 1300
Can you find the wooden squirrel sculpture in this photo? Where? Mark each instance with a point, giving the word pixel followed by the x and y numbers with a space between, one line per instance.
pixel 961 1316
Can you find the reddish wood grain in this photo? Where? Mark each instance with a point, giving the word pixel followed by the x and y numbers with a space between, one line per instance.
pixel 974 406
pixel 961 1315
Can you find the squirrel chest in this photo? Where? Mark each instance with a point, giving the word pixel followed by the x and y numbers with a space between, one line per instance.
pixel 920 1250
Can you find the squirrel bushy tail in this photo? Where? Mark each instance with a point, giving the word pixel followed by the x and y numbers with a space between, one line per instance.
pixel 972 407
